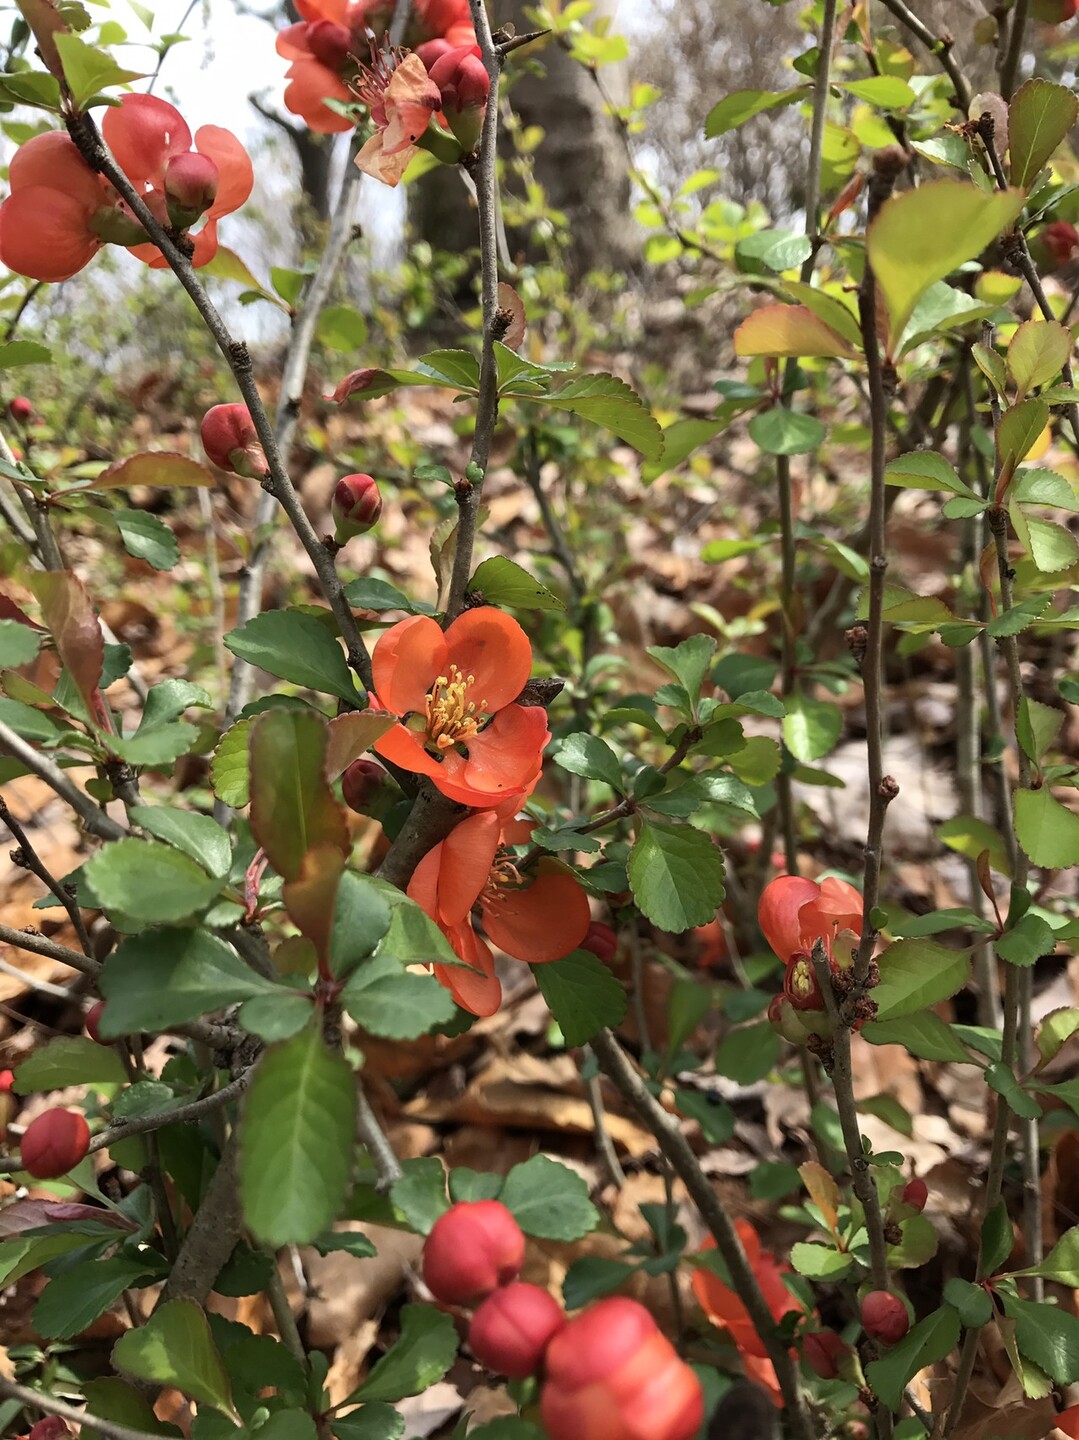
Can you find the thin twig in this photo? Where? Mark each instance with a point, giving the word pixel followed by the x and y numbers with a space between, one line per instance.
pixel 282 1312
pixel 939 45
pixel 96 820
pixel 374 1138
pixel 33 1400
pixel 27 858
pixel 38 944
pixel 602 1136
pixel 1010 68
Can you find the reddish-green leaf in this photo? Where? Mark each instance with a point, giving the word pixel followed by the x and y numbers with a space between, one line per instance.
pixel 789 330
pixel 1039 117
pixel 70 617
pixel 350 734
pixel 292 807
pixel 160 468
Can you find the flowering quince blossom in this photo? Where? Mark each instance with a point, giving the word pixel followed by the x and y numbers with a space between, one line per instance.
pixel 724 1308
pixel 59 212
pixel 402 99
pixel 324 43
pixel 454 694
pixel 795 913
pixel 539 922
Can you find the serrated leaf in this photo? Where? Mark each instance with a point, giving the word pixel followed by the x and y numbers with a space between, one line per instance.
pixel 811 727
pixel 175 1347
pixel 387 1000
pixel 295 647
pixel 375 1421
pixel 581 994
pixel 70 618
pixel 920 236
pixel 74 1299
pixel 420 1194
pixel 231 765
pixel 350 734
pixel 368 593
pixel 198 836
pixel 148 881
pixel 293 809
pixel 926 470
pixel 18 644
pixel 548 1200
pixel 1062 1262
pixel 1039 117
pixel 1047 1335
pixel 1026 942
pixel 296 1140
pixel 970 1302
pixel 589 756
pixel 819 1262
pixel 69 1060
pixel 1001 1078
pixel 676 874
pixel 425 1350
pixel 605 400
pixel 88 70
pixel 503 583
pixel 1037 351
pixel 929 1341
pixel 165 977
pixel 923 1033
pixel 1047 830
pixel 917 973
pixel 147 538
pixel 779 431
pixel 1054 1031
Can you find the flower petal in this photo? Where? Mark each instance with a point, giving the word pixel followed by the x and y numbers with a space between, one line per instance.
pixel 291 42
pixel 335 10
pixel 374 160
pixel 467 856
pixel 506 755
pixel 777 913
pixel 310 83
pixel 52 159
pixel 542 922
pixel 44 234
pixel 479 994
pixel 144 133
pixel 423 887
pixel 237 177
pixel 491 646
pixel 401 746
pixel 405 663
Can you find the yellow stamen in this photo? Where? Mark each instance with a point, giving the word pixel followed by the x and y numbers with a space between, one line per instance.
pixel 451 717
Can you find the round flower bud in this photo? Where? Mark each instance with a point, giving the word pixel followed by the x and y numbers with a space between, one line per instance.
pixel 601 940
pixel 356 506
pixel 231 441
pixel 474 1247
pixel 884 1317
pixel 612 1374
pixel 54 1143
pixel 464 85
pixel 915 1193
pixel 329 43
pixel 7 1081
pixel 51 1428
pixel 191 182
pixel 1059 244
pixel 93 1023
pixel 368 789
pixel 512 1328
pixel 21 409
pixel 823 1350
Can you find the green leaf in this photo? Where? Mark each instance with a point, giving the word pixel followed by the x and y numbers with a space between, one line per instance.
pixel 347 1242
pixel 87 70
pixel 387 1000
pixel 610 402
pixel 591 757
pixel 158 747
pixel 918 1245
pixel 923 1033
pixel 18 644
pixel 747 1053
pixel 420 1194
pixel 166 977
pixel 1052 547
pixel 1037 351
pixel 376 1421
pixel 1062 1262
pixel 425 1350
pixel 1037 726
pixel 888 92
pixel 1055 1030
pixel 997 1238
pixel 592 1276
pixel 69 1060
pixel 742 105
pixel 686 662
pixel 970 1302
pixel 922 235
pixel 926 470
pixel 676 875
pixel 198 836
pixel 1001 1078
pixel 1020 426
pixel 295 647
pixel 916 973
pixel 1039 117
pixel 1046 829
pixel 819 1262
pixel 681 439
pixel 112 1399
pixel 929 1341
pixel 466 1184
pixel 275 1017
pixel 1047 1335
pixel 581 994
pixel 459 367
pixel 174 1347
pixel 780 431
pixel 503 583
pixel 1027 941
pixel 231 765
pixel 147 538
pixel 368 593
pixel 149 881
pixel 811 727
pixel 28 87
pixel 296 1140
pixel 293 809
pixel 75 1298
pixel 548 1200
pixel 361 918
pixel 340 327
pixel 970 836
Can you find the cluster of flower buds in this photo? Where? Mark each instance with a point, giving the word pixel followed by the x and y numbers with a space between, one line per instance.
pixel 54 1143
pixel 608 1373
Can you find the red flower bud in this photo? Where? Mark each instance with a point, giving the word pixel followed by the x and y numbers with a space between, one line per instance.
pixel 231 441
pixel 884 1317
pixel 368 789
pixel 21 409
pixel 464 85
pixel 7 1080
pixel 1061 242
pixel 93 1023
pixel 611 1374
pixel 601 940
pixel 512 1328
pixel 329 43
pixel 51 1428
pixel 191 182
pixel 356 506
pixel 54 1143
pixel 800 984
pixel 474 1247
pixel 823 1350
pixel 915 1193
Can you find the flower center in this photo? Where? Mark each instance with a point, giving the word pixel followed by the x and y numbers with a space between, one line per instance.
pixel 451 718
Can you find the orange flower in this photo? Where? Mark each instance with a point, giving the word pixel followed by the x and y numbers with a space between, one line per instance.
pixel 454 694
pixel 538 922
pixel 1068 1422
pixel 794 913
pixel 402 99
pixel 724 1308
